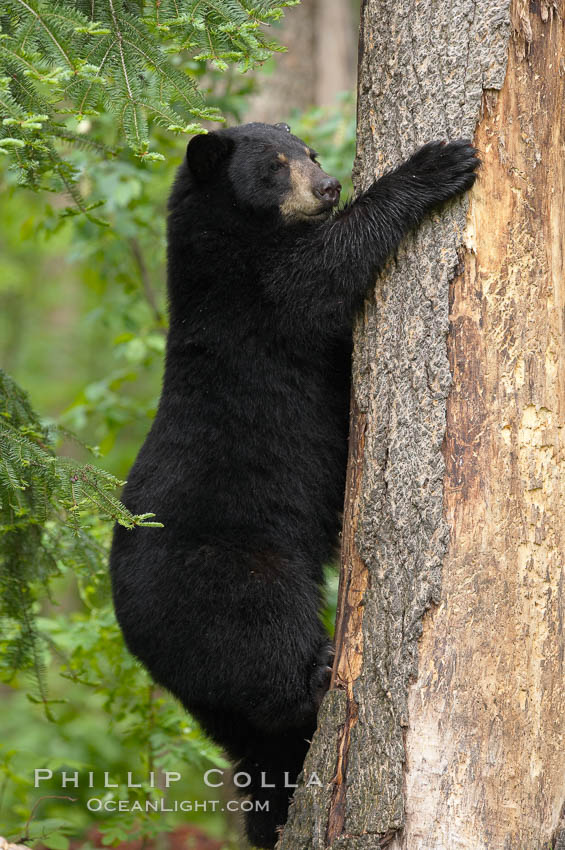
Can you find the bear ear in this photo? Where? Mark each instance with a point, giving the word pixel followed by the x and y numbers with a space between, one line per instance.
pixel 282 126
pixel 205 152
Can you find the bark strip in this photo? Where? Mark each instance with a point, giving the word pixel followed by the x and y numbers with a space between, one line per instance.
pixel 349 622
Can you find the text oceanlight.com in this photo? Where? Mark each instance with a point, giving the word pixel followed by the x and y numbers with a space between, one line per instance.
pixel 95 804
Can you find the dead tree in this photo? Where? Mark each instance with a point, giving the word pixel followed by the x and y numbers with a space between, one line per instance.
pixel 445 727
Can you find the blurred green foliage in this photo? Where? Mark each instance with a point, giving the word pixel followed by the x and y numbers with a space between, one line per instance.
pixel 82 328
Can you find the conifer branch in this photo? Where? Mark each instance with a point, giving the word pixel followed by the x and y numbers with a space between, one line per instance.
pixel 118 62
pixel 119 38
pixel 52 35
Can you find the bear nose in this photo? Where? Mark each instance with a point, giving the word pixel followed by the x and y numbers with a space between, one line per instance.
pixel 328 190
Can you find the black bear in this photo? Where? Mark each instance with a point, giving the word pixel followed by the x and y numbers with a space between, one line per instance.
pixel 245 462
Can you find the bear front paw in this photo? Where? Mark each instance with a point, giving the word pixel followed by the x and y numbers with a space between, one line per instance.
pixel 443 170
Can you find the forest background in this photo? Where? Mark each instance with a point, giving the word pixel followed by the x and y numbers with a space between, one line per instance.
pixel 82 333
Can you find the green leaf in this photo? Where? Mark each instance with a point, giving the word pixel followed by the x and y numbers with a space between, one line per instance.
pixel 56 842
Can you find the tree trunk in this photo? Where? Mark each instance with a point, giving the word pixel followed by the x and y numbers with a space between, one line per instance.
pixel 334 49
pixel 319 61
pixel 446 724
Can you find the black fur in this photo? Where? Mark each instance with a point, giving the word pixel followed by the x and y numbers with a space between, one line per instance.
pixel 245 462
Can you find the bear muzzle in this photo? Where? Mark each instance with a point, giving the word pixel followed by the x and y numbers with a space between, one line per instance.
pixel 328 191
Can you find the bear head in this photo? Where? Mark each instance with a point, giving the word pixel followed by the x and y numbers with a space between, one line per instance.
pixel 268 169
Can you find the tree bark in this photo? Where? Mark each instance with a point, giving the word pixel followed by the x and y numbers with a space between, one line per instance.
pixel 445 727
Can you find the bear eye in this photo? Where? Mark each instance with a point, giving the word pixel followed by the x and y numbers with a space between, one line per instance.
pixel 277 164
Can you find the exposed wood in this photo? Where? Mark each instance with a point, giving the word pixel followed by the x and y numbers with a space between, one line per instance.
pixel 349 623
pixel 486 740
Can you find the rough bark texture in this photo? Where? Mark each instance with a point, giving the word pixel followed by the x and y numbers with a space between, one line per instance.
pixel 469 752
